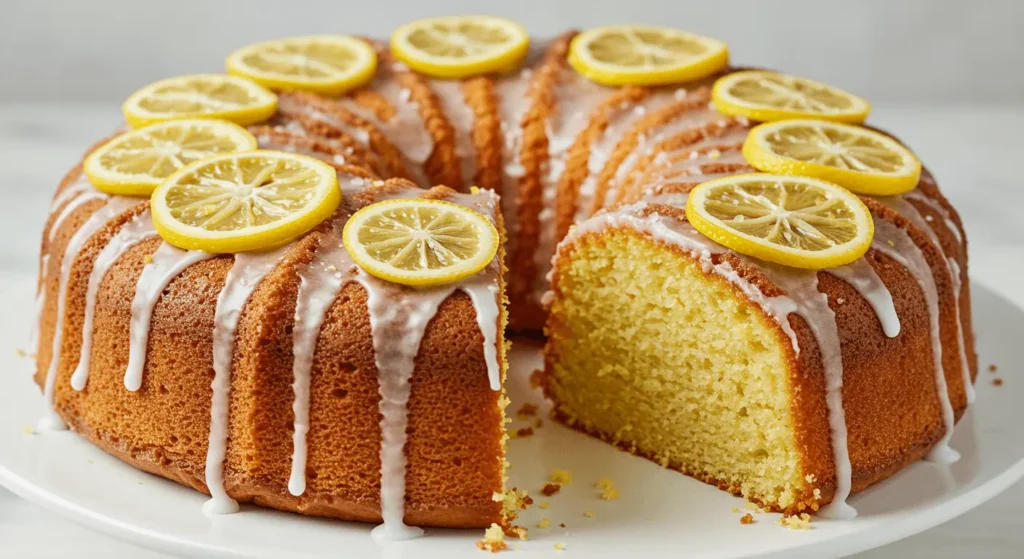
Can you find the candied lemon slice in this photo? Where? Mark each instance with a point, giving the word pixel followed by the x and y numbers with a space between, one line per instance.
pixel 244 201
pixel 855 158
pixel 231 98
pixel 136 162
pixel 795 221
pixel 456 47
pixel 645 55
pixel 325 64
pixel 766 96
pixel 415 241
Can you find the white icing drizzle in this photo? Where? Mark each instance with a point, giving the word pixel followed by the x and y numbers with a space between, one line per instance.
pixel 575 99
pixel 617 127
pixel 166 264
pixel 803 298
pixel 138 229
pixel 862 276
pixel 319 285
pixel 246 273
pixel 33 336
pixel 692 119
pixel 460 114
pixel 82 197
pixel 512 106
pixel 268 142
pixel 405 129
pixel 398 322
pixel 115 206
pixel 286 104
pixel 897 244
pixel 907 210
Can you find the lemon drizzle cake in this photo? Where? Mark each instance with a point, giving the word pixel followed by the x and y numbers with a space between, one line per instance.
pixel 558 149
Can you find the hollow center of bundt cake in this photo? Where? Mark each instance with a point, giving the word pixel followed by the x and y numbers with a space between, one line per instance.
pixel 663 359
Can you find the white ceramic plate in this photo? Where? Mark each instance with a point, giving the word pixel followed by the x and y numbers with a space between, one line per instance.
pixel 660 512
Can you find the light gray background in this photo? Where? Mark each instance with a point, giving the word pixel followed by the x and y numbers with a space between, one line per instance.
pixel 886 50
pixel 947 76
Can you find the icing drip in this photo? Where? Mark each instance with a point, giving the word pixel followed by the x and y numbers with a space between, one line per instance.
pixel 166 264
pixel 862 277
pixel 33 336
pixel 398 319
pixel 576 97
pixel 287 104
pixel 602 149
pixel 459 113
pixel 897 244
pixel 135 231
pixel 907 210
pixel 268 142
pixel 512 106
pixel 83 196
pixel 319 285
pixel 79 186
pixel 114 207
pixel 684 122
pixel 246 273
pixel 803 298
pixel 483 291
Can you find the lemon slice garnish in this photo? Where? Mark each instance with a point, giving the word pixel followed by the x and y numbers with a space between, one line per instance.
pixel 795 221
pixel 456 47
pixel 325 64
pixel 856 158
pixel 200 96
pixel 645 55
pixel 420 242
pixel 766 96
pixel 244 201
pixel 136 162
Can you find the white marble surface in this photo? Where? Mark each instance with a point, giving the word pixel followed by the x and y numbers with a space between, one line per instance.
pixel 975 152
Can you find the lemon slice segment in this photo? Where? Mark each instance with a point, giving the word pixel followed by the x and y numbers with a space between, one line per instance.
pixel 244 201
pixel 795 221
pixel 200 96
pixel 767 96
pixel 645 55
pixel 855 158
pixel 420 242
pixel 325 64
pixel 136 162
pixel 456 47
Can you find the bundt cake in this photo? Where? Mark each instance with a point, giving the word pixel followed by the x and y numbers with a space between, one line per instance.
pixel 294 379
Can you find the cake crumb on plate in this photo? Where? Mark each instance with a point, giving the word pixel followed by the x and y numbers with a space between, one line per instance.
pixel 493 541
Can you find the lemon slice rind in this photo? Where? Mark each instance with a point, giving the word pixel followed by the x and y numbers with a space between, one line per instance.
pixel 504 56
pixel 179 147
pixel 258 105
pixel 856 217
pixel 855 166
pixel 318 200
pixel 712 58
pixel 483 231
pixel 730 101
pixel 330 80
